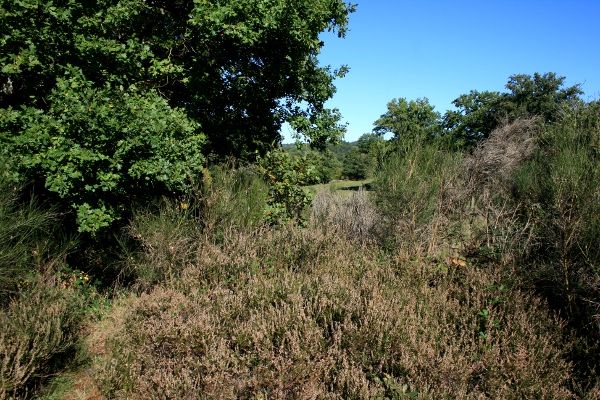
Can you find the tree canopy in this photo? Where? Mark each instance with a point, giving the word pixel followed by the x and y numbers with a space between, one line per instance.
pixel 103 101
pixel 479 113
pixel 409 119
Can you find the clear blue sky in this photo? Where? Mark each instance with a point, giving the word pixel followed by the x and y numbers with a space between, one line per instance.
pixel 440 49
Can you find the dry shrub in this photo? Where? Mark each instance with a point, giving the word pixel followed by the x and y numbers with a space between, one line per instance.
pixel 167 235
pixel 35 328
pixel 311 315
pixel 264 249
pixel 481 197
pixel 495 159
pixel 594 392
pixel 353 215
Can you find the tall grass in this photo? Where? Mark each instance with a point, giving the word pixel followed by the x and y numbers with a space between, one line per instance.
pixel 39 315
pixel 22 240
pixel 527 198
pixel 484 194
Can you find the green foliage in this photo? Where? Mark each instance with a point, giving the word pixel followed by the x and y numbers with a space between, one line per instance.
pixel 369 142
pixel 328 163
pixel 341 149
pixel 230 63
pixel 358 165
pixel 327 167
pixel 559 191
pixel 109 101
pixel 285 176
pixel 97 148
pixel 479 113
pixel 538 95
pixel 362 161
pixel 409 120
pixel 476 117
pixel 411 184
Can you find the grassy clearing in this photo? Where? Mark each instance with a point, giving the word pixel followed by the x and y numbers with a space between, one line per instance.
pixel 344 186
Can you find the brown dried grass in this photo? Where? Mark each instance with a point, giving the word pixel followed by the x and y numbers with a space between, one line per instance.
pixel 353 215
pixel 494 160
pixel 481 196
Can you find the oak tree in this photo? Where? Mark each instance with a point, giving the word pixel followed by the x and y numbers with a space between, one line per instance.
pixel 107 101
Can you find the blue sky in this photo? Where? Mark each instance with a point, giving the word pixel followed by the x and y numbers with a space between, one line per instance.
pixel 442 49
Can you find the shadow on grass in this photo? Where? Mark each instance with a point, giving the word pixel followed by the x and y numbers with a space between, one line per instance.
pixel 356 188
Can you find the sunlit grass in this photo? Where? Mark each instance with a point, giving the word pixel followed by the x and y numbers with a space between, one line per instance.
pixel 346 186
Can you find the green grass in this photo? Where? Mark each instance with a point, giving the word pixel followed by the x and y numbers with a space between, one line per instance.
pixel 341 185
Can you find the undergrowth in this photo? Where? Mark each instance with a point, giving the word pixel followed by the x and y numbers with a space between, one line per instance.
pixel 459 276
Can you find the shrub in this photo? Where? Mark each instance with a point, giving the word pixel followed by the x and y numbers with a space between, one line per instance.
pixel 285 176
pixel 37 326
pixel 167 234
pixel 559 193
pixel 304 313
pixel 411 189
pixel 118 145
pixel 531 193
pixel 22 246
pixel 493 162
